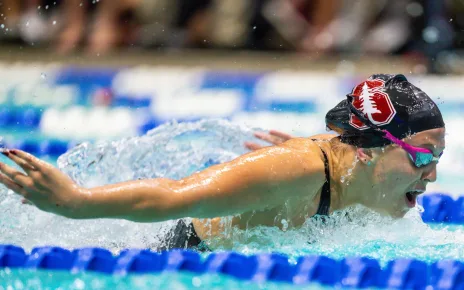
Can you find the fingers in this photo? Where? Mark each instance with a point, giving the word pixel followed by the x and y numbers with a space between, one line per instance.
pixel 14 175
pixel 10 184
pixel 27 158
pixel 274 137
pixel 281 135
pixel 22 163
pixel 276 140
pixel 252 146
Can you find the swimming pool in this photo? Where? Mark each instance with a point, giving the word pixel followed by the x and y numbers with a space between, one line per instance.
pixel 180 149
pixel 45 109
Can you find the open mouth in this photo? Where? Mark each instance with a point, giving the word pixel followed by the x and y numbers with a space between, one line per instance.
pixel 411 197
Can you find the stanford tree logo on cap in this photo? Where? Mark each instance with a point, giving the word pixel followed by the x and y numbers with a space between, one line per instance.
pixel 370 98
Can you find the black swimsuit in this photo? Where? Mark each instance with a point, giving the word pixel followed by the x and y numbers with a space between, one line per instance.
pixel 324 202
pixel 183 236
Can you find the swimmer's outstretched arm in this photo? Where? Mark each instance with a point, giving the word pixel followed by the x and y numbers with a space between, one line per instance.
pixel 261 179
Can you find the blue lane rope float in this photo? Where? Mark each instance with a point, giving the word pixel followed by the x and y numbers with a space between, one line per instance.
pixel 442 208
pixel 18 117
pixel 357 272
pixel 49 147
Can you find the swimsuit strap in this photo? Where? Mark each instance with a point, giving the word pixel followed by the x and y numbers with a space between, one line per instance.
pixel 324 202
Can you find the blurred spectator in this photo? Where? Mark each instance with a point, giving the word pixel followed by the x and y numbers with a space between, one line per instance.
pixel 342 26
pixel 10 13
pixel 314 27
pixel 105 31
pixel 457 22
pixel 159 22
pixel 40 21
pixel 303 23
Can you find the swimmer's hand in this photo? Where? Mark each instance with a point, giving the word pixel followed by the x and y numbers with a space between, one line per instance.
pixel 274 137
pixel 41 184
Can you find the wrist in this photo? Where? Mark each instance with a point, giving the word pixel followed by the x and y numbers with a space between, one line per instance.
pixel 79 203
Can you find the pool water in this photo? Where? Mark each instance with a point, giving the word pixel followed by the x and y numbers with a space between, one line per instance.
pixel 25 279
pixel 176 150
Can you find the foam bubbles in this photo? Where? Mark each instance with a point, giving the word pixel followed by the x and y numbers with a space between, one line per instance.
pixel 357 232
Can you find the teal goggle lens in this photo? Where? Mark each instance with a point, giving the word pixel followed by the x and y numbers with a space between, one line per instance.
pixel 424 159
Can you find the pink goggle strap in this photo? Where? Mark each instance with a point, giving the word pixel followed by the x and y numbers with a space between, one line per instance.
pixel 409 148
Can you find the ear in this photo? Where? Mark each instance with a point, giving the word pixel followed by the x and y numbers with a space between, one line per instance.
pixel 364 155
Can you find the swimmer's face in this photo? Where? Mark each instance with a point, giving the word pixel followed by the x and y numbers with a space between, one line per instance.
pixel 396 180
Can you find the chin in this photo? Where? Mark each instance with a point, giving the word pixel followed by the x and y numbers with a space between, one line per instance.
pixel 396 214
pixel 400 213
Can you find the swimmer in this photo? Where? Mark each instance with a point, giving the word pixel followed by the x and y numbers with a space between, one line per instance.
pixel 390 138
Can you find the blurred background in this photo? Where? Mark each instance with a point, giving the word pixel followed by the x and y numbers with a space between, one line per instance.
pixel 86 70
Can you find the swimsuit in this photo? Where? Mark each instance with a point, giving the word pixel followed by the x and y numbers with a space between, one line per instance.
pixel 324 202
pixel 183 236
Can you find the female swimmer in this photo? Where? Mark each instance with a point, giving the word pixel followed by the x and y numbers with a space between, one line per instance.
pixel 392 128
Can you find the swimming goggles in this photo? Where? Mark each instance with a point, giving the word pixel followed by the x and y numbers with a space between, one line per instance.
pixel 419 156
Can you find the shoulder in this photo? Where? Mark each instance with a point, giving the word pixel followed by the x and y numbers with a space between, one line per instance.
pixel 310 146
pixel 298 161
pixel 307 155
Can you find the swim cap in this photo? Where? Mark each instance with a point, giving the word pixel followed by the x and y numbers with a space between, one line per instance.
pixel 385 102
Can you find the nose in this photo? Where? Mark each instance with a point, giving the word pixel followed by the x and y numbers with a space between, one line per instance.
pixel 430 172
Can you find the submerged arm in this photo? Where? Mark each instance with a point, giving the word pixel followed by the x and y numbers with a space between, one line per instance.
pixel 260 179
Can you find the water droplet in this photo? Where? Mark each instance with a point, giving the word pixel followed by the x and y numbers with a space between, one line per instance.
pixel 54 22
pixel 80 4
pixel 254 27
pixel 419 208
pixel 43 76
pixel 46 7
pixel 27 23
pixel 2 26
pixel 342 179
pixel 284 224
